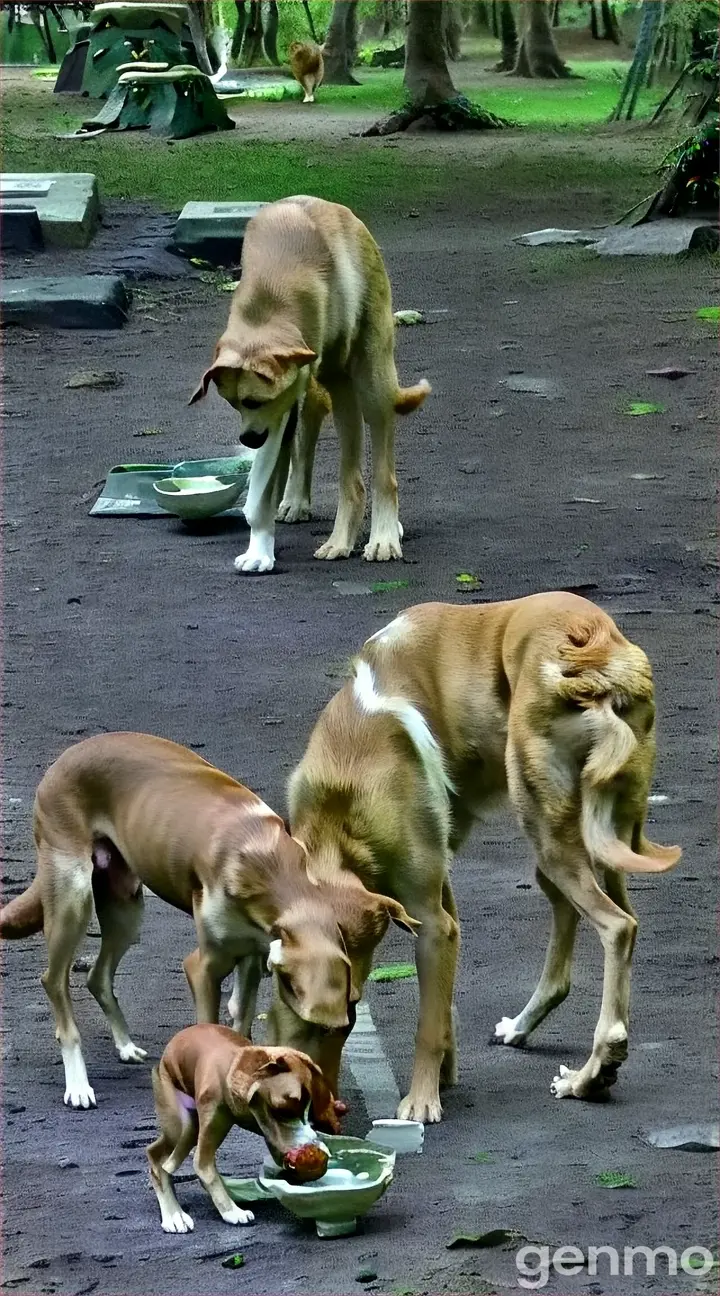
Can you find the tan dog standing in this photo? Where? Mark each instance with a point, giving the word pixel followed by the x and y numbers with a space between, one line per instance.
pixel 449 709
pixel 209 1079
pixel 121 810
pixel 314 301
pixel 307 66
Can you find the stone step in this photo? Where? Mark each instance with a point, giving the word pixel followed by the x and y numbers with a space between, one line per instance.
pixel 67 203
pixel 67 301
pixel 214 232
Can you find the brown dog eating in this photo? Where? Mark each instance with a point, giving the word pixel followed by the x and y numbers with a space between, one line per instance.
pixel 210 1078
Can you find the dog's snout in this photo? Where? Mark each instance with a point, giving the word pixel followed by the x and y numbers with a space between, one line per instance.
pixel 253 440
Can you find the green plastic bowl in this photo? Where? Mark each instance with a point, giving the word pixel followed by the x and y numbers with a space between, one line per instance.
pixel 197 497
pixel 358 1174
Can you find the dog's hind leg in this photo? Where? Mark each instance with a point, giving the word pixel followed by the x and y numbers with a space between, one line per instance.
pixel 448 1068
pixel 178 1134
pixel 296 501
pixel 351 504
pixel 243 1000
pixel 120 919
pixel 377 382
pixel 554 983
pixel 67 906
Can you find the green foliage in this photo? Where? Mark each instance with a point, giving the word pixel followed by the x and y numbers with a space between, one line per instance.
pixel 393 972
pixel 614 1179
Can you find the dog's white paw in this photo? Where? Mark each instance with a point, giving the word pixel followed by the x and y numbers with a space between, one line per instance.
pixel 331 550
pixel 293 511
pixel 251 562
pixel 382 550
pixel 131 1053
pixel 563 1084
pixel 238 1216
pixel 178 1222
pixel 427 1110
pixel 80 1095
pixel 506 1032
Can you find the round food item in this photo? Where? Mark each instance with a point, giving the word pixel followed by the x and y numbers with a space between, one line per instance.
pixel 306 1163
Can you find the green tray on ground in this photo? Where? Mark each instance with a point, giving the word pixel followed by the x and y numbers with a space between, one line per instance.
pixel 128 491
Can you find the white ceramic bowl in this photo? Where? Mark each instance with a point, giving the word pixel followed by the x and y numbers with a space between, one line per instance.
pixel 198 497
pixel 400 1135
pixel 357 1176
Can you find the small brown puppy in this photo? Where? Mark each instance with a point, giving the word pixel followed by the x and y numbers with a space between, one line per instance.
pixel 210 1078
pixel 307 66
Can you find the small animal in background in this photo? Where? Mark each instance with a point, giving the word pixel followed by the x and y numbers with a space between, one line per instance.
pixel 210 1078
pixel 307 66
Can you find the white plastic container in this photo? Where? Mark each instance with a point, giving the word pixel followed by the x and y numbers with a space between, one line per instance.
pixel 400 1135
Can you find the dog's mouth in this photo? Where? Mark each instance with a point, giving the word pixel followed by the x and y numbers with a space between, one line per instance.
pixel 253 440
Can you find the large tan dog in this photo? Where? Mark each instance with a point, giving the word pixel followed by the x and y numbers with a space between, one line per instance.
pixel 448 709
pixel 209 1079
pixel 313 302
pixel 121 810
pixel 307 66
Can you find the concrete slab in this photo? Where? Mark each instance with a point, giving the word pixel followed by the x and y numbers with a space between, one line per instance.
pixel 67 301
pixel 67 203
pixel 666 237
pixel 214 231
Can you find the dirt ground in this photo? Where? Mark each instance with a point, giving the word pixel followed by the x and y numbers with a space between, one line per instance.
pixel 121 624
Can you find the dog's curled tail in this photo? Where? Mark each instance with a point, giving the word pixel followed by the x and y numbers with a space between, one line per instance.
pixel 598 670
pixel 23 916
pixel 408 399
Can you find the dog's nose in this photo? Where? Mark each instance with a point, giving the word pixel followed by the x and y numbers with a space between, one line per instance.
pixel 253 440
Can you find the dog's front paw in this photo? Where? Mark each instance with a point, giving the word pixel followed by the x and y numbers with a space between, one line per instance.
pixel 428 1110
pixel 251 561
pixel 178 1222
pixel 382 550
pixel 331 550
pixel 131 1053
pixel 236 1215
pixel 80 1095
pixel 506 1033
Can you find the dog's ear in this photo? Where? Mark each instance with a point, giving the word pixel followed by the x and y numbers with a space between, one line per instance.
pixel 266 1066
pixel 399 915
pixel 226 358
pixel 325 1110
pixel 299 355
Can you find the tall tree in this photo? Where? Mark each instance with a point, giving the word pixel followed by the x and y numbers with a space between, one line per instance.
pixel 433 101
pixel 508 35
pixel 341 43
pixel 198 15
pixel 537 54
pixel 608 28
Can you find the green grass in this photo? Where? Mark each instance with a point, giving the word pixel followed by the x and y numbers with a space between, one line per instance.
pixel 365 175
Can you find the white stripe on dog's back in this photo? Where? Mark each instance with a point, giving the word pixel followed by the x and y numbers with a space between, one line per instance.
pixel 417 729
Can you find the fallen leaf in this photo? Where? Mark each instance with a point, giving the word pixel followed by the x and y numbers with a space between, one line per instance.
pixel 379 587
pixel 393 972
pixel 468 583
pixel 670 372
pixel 233 1261
pixel 709 313
pixel 148 432
pixel 482 1158
pixel 408 317
pixel 495 1237
pixel 198 261
pixel 352 587
pixel 101 378
pixel 614 1179
pixel 229 285
pixel 644 407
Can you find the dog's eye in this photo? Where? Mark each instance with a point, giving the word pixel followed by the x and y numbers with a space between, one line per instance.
pixel 251 404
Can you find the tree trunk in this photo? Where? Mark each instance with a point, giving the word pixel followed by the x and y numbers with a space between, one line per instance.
pixel 434 103
pixel 252 39
pixel 610 30
pixel 508 36
pixel 337 50
pixel 556 13
pixel 452 30
pixel 538 55
pixel 196 19
pixel 239 33
pixel 271 33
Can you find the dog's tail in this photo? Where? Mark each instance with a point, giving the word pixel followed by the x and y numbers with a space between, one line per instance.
pixel 408 399
pixel 23 916
pixel 601 671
